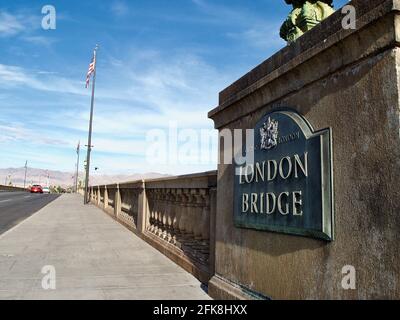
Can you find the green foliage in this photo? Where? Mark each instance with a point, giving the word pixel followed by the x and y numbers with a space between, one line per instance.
pixel 57 189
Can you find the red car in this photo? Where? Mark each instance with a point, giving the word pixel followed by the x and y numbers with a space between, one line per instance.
pixel 36 189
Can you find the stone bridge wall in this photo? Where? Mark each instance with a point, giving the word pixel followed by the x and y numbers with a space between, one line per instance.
pixel 345 81
pixel 175 215
pixel 12 189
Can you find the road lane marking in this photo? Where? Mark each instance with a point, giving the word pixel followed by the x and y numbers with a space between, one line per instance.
pixel 8 200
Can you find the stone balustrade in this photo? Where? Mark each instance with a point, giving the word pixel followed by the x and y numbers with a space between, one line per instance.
pixel 101 195
pixel 11 189
pixel 129 198
pixel 182 217
pixel 175 215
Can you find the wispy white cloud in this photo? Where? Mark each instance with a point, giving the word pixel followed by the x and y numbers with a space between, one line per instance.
pixel 133 96
pixel 24 27
pixel 12 74
pixel 136 98
pixel 9 24
pixel 180 82
pixel 18 132
pixel 141 84
pixel 137 91
pixel 178 89
pixel 15 76
pixel 252 29
pixel 39 40
pixel 119 8
pixel 260 36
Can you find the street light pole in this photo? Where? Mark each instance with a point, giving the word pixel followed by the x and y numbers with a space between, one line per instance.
pixel 89 145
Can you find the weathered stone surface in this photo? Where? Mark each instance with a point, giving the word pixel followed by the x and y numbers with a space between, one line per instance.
pixel 175 215
pixel 312 49
pixel 349 82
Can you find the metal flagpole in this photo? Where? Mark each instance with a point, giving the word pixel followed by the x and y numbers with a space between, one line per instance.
pixel 89 145
pixel 77 168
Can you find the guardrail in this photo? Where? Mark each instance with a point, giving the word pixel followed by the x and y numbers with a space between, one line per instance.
pixel 11 189
pixel 175 215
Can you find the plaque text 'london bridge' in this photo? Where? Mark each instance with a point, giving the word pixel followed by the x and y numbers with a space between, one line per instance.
pixel 288 188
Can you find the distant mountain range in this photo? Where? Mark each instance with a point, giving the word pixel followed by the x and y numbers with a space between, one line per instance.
pixel 64 179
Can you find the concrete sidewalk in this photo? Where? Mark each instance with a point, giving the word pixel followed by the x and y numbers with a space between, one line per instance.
pixel 94 258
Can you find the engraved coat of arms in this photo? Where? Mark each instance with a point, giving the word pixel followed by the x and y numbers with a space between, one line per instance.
pixel 269 134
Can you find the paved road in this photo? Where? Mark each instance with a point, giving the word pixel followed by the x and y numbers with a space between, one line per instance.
pixel 94 257
pixel 17 206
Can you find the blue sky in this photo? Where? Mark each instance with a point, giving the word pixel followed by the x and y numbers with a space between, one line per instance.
pixel 159 61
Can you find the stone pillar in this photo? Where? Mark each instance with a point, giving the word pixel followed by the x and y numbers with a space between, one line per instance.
pixel 189 215
pixel 98 196
pixel 213 213
pixel 177 216
pixel 143 210
pixel 156 208
pixel 150 209
pixel 205 217
pixel 183 221
pixel 105 198
pixel 347 81
pixel 167 218
pixel 198 215
pixel 117 202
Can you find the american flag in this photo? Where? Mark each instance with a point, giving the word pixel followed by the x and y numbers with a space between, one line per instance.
pixel 92 68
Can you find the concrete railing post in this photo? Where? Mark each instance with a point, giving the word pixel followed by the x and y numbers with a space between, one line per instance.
pixel 213 214
pixel 142 210
pixel 105 198
pixel 117 202
pixel 98 196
